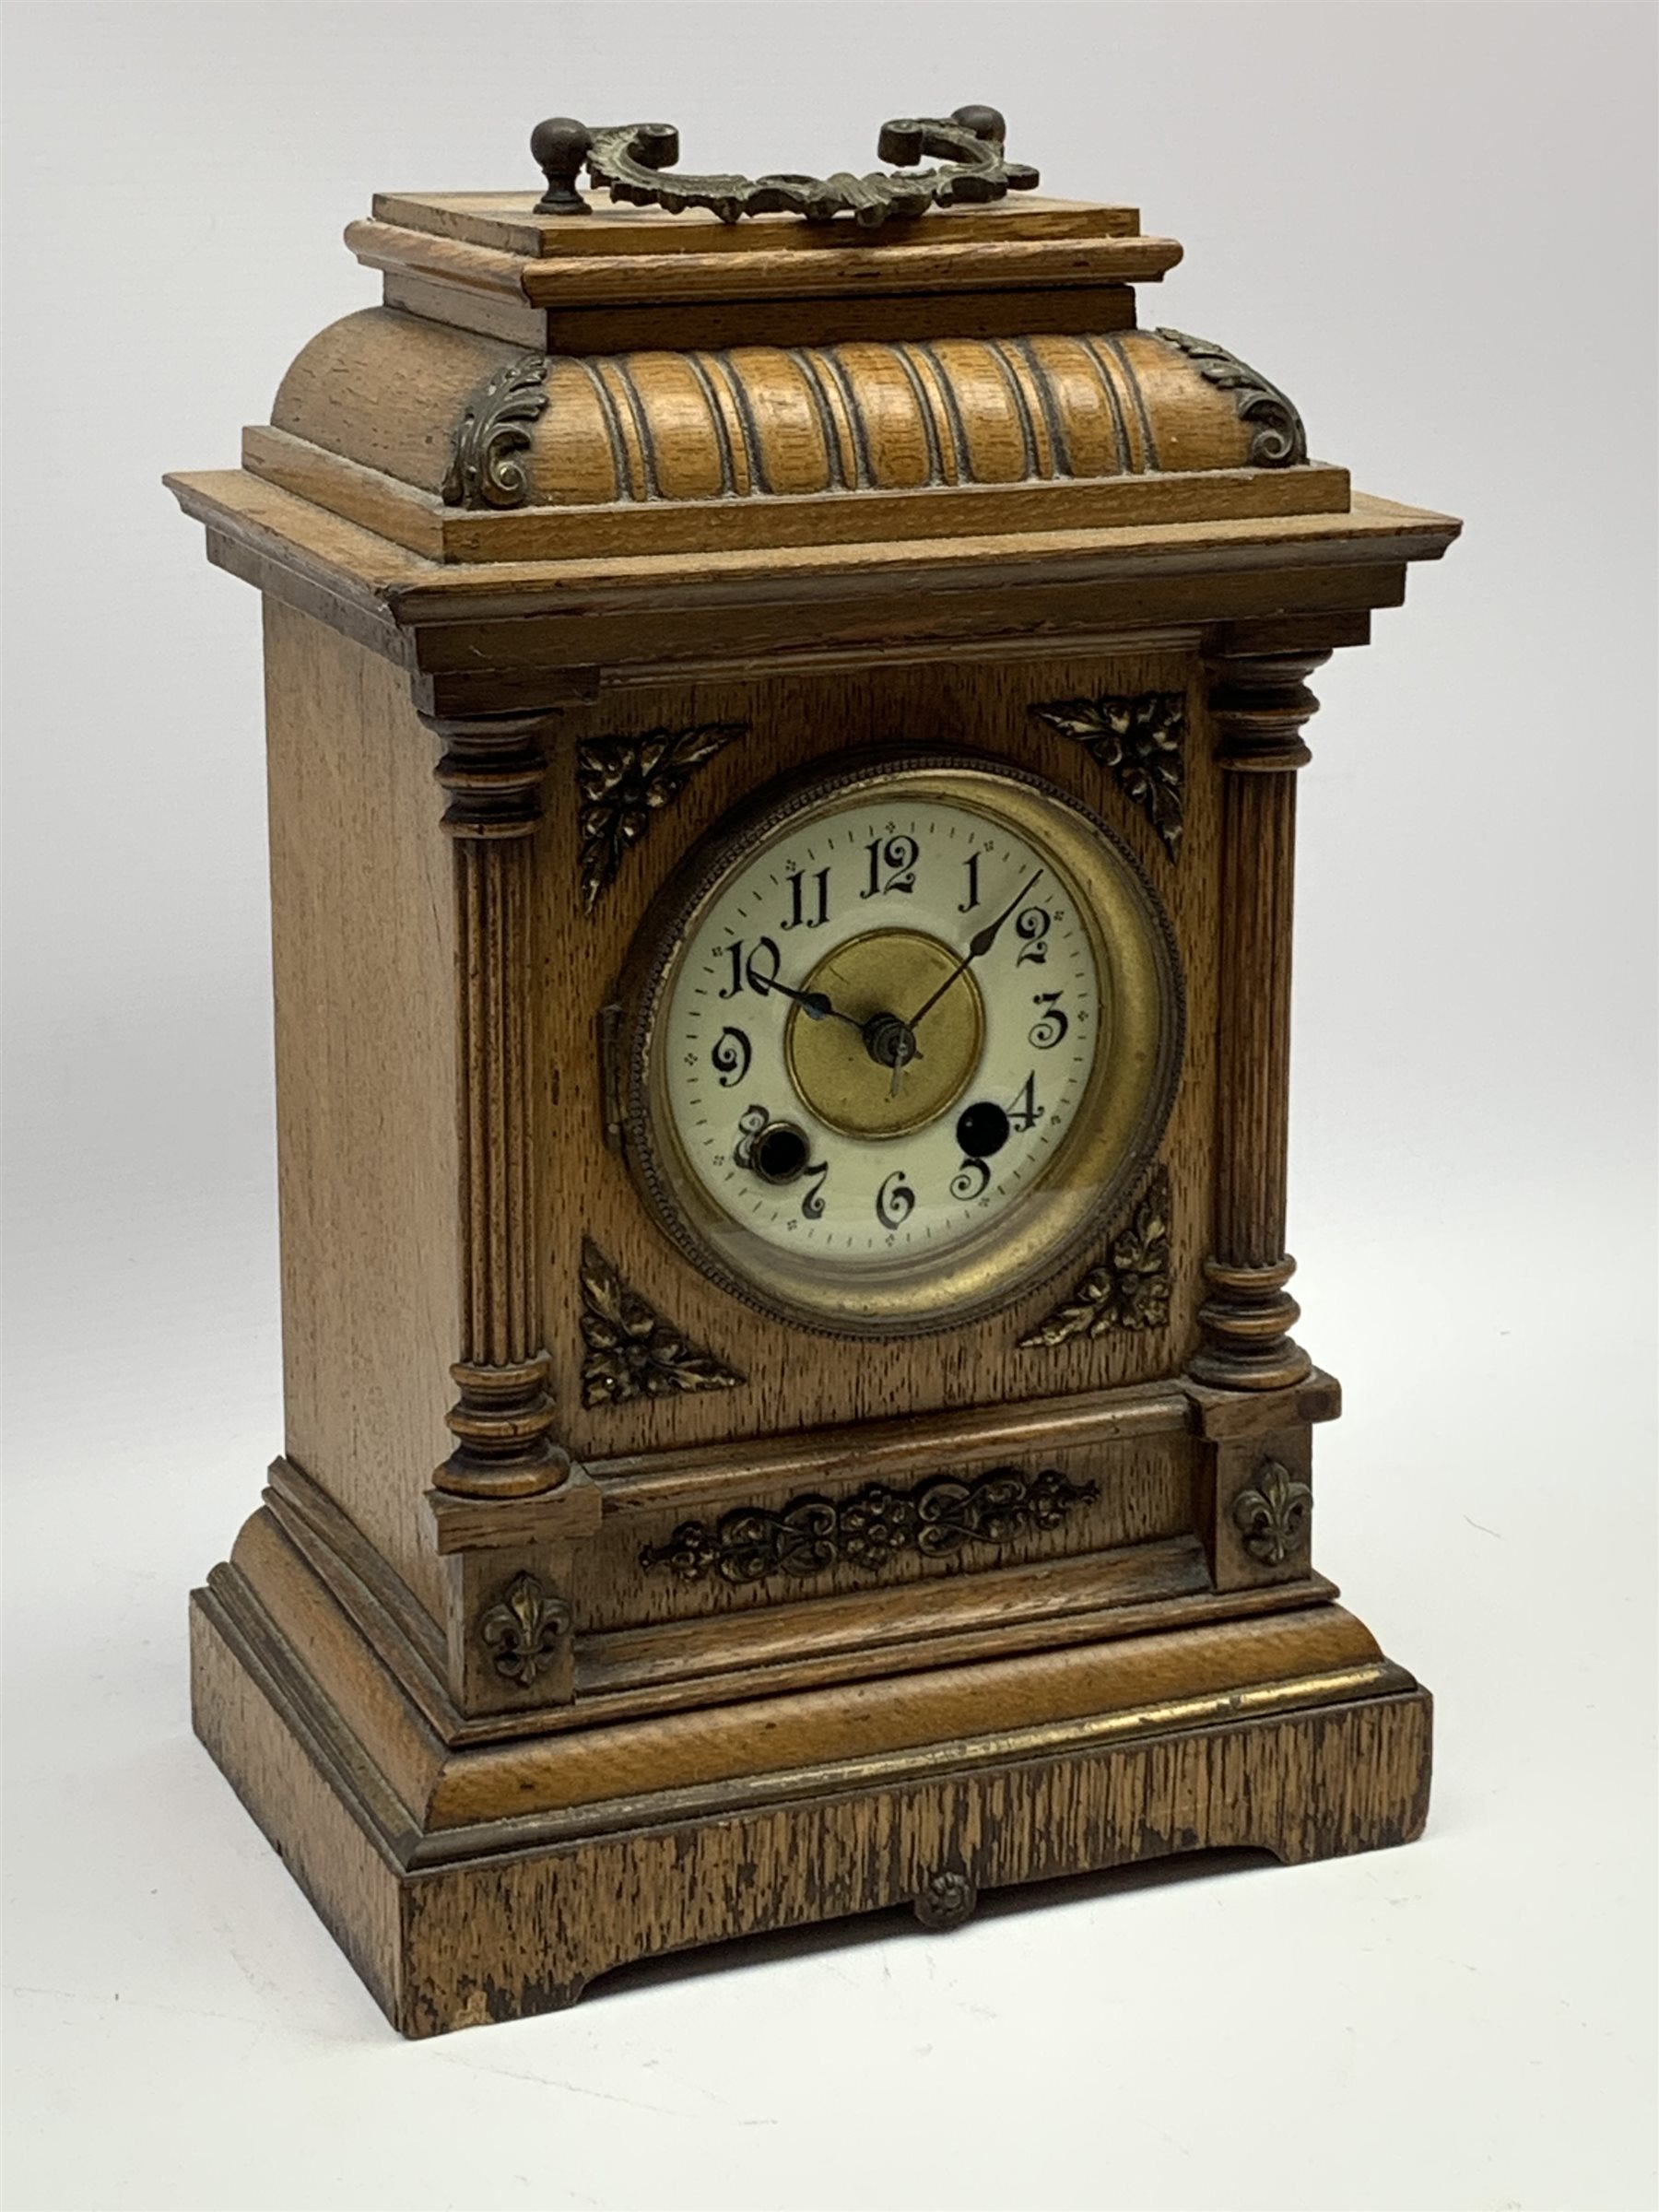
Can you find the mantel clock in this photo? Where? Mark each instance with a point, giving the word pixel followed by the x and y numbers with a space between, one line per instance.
pixel 784 702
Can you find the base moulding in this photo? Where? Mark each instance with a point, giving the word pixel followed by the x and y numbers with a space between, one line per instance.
pixel 509 1932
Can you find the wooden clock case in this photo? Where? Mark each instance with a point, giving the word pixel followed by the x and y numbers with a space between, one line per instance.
pixel 597 525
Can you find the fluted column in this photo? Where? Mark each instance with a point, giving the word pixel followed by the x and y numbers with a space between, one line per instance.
pixel 492 769
pixel 1258 705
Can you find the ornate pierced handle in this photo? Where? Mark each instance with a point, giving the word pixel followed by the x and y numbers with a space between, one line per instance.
pixel 627 159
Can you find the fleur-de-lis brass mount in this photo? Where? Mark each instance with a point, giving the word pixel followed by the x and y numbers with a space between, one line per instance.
pixel 628 159
pixel 631 1352
pixel 1140 738
pixel 1280 441
pixel 482 470
pixel 1273 1516
pixel 870 1529
pixel 1129 1288
pixel 622 782
pixel 522 1631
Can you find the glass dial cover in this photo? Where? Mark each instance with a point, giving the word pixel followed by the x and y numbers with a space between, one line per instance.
pixel 895 1036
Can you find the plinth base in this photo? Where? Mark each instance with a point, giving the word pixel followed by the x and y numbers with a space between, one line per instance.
pixel 489 1923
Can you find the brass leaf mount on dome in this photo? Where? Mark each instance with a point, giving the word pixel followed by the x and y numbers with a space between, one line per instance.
pixel 483 470
pixel 628 159
pixel 1279 440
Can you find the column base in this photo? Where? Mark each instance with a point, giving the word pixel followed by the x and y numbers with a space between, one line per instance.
pixel 1245 1320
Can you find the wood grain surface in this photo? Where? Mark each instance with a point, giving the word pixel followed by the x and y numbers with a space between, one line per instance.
pixel 488 1663
pixel 497 1936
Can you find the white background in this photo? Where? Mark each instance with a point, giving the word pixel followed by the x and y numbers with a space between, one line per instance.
pixel 1433 225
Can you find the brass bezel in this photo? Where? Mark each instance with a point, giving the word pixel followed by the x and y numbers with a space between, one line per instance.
pixel 1114 1132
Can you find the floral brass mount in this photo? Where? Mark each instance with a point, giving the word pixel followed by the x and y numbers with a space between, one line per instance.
pixel 1140 738
pixel 1272 1517
pixel 522 1631
pixel 622 782
pixel 1129 1288
pixel 632 1352
pixel 628 159
pixel 871 1529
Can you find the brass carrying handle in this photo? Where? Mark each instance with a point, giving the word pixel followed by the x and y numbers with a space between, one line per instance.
pixel 627 159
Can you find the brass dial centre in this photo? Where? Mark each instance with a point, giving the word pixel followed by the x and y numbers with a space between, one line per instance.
pixel 892 972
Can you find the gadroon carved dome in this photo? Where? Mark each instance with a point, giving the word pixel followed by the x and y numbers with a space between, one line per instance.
pixel 980 371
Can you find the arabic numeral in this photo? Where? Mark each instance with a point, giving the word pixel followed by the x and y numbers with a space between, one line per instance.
pixel 1025 1112
pixel 759 969
pixel 750 1123
pixel 1051 1026
pixel 892 865
pixel 1033 928
pixel 895 1201
pixel 966 906
pixel 798 917
pixel 969 1180
pixel 731 1055
pixel 812 1200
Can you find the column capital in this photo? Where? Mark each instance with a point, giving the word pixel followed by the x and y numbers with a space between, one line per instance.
pixel 492 768
pixel 1259 703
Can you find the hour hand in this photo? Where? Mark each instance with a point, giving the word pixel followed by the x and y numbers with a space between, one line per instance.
pixel 813 1004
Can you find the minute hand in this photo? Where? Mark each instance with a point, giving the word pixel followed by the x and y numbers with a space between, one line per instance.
pixel 977 945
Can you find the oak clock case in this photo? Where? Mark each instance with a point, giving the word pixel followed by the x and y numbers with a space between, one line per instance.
pixel 975 1056
pixel 784 705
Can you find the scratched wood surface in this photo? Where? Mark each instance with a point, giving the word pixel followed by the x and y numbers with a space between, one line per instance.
pixel 496 1938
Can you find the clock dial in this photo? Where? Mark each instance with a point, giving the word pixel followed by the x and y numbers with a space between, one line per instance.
pixel 902 1033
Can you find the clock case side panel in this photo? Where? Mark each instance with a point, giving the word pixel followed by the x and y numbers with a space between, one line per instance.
pixel 792 1377
pixel 364 971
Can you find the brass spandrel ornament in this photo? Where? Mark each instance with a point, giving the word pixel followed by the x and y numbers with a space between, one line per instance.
pixel 782 814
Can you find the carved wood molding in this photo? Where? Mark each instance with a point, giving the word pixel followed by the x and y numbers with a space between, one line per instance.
pixel 633 1351
pixel 492 771
pixel 1258 704
pixel 1129 1288
pixel 1139 738
pixel 623 781
pixel 872 1528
